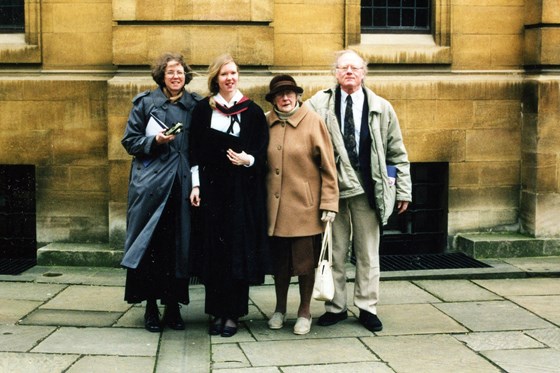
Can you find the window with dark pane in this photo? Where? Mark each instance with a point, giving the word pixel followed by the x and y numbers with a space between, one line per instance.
pixel 12 18
pixel 395 16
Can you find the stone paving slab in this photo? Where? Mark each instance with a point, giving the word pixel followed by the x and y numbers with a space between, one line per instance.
pixel 29 291
pixel 306 352
pixel 71 318
pixel 525 361
pixel 113 364
pixel 416 319
pixel 427 353
pixel 15 362
pixel 248 370
pixel 456 290
pixel 492 316
pixel 543 265
pixel 530 286
pixel 347 328
pixel 403 292
pixel 547 307
pixel 498 341
pixel 100 341
pixel 21 338
pixel 229 355
pixel 184 351
pixel 100 276
pixel 89 298
pixel 133 318
pixel 374 367
pixel 11 311
pixel 550 337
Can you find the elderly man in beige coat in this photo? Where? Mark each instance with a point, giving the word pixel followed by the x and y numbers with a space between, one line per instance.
pixel 369 147
pixel 302 195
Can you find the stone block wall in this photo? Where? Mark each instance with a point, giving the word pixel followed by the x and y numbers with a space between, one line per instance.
pixel 59 125
pixel 475 96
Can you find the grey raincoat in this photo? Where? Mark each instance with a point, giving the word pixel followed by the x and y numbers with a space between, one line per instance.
pixel 153 171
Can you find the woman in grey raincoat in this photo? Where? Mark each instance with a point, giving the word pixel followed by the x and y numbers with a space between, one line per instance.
pixel 158 214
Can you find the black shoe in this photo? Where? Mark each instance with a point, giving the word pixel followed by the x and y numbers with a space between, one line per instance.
pixel 216 326
pixel 370 321
pixel 331 318
pixel 151 319
pixel 229 331
pixel 172 317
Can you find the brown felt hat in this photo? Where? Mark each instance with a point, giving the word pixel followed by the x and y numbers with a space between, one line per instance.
pixel 281 83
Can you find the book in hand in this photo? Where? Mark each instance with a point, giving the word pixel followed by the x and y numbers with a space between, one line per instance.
pixel 392 173
pixel 223 141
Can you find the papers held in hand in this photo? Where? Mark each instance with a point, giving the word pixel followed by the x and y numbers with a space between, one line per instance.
pixel 155 126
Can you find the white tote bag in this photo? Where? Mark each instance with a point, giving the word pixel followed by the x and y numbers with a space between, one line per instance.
pixel 323 288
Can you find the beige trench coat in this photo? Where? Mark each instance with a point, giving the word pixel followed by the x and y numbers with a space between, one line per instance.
pixel 301 179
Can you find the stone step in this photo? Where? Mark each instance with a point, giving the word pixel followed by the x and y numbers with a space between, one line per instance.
pixel 505 245
pixel 78 254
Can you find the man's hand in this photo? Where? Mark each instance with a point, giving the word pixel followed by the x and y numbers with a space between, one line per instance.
pixel 402 206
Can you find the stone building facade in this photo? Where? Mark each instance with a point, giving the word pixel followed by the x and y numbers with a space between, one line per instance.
pixel 481 94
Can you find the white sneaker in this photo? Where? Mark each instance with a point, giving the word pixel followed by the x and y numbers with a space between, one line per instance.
pixel 277 320
pixel 302 326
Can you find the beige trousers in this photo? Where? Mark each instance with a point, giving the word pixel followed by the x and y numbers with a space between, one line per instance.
pixel 356 223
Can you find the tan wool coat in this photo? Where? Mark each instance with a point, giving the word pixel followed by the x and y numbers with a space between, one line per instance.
pixel 301 179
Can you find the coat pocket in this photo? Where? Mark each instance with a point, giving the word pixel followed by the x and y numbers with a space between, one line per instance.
pixel 308 194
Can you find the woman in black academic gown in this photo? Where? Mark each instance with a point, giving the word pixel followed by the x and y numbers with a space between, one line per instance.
pixel 229 139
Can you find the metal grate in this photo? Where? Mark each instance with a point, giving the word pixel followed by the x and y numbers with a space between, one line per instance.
pixel 428 261
pixel 15 266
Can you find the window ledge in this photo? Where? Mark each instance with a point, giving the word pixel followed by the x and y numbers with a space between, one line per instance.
pixel 19 53
pixel 12 39
pixel 402 49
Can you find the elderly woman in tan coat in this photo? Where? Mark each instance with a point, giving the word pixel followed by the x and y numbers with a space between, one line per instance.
pixel 302 195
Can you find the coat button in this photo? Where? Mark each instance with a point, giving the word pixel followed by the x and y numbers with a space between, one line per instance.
pixel 277 171
pixel 279 147
pixel 277 195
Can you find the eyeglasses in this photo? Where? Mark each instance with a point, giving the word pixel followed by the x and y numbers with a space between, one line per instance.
pixel 173 73
pixel 345 68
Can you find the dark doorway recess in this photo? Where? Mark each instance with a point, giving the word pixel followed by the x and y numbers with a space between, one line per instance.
pixel 422 229
pixel 18 234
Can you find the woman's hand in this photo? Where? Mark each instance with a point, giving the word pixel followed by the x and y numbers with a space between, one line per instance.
pixel 162 139
pixel 239 159
pixel 328 216
pixel 195 196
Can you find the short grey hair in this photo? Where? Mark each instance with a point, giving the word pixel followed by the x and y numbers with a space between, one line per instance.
pixel 341 53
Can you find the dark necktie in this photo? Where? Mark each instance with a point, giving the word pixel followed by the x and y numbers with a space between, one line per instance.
pixel 233 120
pixel 349 134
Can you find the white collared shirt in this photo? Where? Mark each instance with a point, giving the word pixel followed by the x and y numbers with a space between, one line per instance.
pixel 222 122
pixel 357 108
